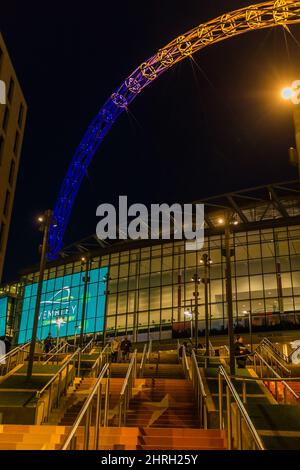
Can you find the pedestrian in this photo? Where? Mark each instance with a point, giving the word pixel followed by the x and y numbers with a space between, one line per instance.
pixel 241 352
pixel 115 348
pixel 125 348
pixel 48 343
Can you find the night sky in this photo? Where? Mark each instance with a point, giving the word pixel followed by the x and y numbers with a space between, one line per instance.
pixel 199 130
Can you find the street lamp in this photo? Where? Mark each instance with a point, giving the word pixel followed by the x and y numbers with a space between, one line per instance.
pixel 292 94
pixel 45 221
pixel 59 322
pixel 86 264
pixel 228 252
pixel 196 280
pixel 206 261
pixel 105 279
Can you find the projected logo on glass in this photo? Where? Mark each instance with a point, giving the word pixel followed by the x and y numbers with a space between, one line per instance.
pixel 61 306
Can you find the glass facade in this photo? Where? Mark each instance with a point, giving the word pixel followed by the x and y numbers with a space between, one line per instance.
pixel 149 288
pixel 62 303
pixel 3 315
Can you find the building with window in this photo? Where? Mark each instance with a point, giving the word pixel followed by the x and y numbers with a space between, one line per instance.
pixel 12 124
pixel 143 288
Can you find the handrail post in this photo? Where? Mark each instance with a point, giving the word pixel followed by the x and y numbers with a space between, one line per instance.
pixel 244 392
pixel 88 416
pixel 98 417
pixel 220 383
pixel 229 422
pixel 106 405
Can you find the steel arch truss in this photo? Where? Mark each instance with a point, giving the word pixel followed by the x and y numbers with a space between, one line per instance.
pixel 263 15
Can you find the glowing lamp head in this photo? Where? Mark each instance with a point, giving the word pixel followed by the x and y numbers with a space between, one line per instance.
pixel 40 219
pixel 287 93
pixel 220 221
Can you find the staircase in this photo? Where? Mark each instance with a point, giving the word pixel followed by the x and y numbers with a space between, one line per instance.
pixel 181 439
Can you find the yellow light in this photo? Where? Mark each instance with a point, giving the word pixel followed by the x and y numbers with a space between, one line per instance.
pixel 83 259
pixel 220 221
pixel 40 219
pixel 235 222
pixel 287 93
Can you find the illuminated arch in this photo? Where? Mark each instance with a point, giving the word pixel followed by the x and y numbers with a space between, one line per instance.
pixel 263 15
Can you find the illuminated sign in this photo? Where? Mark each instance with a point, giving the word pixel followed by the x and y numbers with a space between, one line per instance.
pixel 61 306
pixel 3 313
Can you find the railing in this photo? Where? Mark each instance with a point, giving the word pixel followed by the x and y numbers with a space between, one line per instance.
pixel 58 377
pixel 87 413
pixel 149 350
pixel 199 391
pixel 143 360
pixel 265 348
pixel 264 364
pixel 242 418
pixel 126 392
pixel 14 357
pixel 55 353
pixel 265 342
pixel 185 363
pixel 100 361
pixel 88 346
pixel 211 349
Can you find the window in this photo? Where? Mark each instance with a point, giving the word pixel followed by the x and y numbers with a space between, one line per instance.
pixel 11 172
pixel 10 90
pixel 1 149
pixel 6 204
pixel 16 144
pixel 5 118
pixel 21 113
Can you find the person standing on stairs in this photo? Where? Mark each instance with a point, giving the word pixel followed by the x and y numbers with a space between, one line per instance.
pixel 125 348
pixel 115 348
pixel 240 352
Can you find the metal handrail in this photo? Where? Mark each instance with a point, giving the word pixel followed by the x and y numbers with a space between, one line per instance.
pixel 126 392
pixel 267 343
pixel 58 376
pixel 88 345
pixel 149 350
pixel 87 409
pixel 6 359
pixel 211 348
pixel 185 363
pixel 241 414
pixel 143 360
pixel 101 359
pixel 53 354
pixel 265 347
pixel 199 390
pixel 286 386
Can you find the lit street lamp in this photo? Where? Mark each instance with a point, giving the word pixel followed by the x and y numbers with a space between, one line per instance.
pixel 206 261
pixel 45 222
pixel 59 322
pixel 292 94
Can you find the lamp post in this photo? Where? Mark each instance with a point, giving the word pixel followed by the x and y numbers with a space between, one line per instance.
pixel 45 222
pixel 206 261
pixel 292 94
pixel 59 322
pixel 228 252
pixel 196 280
pixel 106 279
pixel 87 265
pixel 189 315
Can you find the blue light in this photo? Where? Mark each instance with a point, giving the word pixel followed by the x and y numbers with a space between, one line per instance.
pixel 62 300
pixel 3 315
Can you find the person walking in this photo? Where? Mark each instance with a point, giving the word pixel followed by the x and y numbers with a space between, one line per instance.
pixel 115 348
pixel 125 348
pixel 48 343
